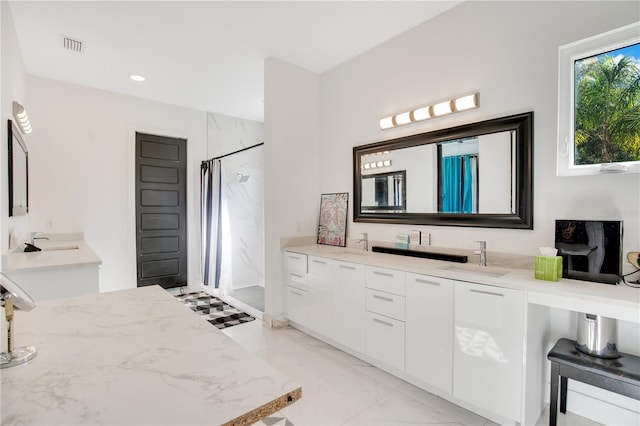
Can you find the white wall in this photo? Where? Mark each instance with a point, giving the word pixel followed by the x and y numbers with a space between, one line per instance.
pixel 508 52
pixel 292 167
pixel 13 87
pixel 505 50
pixel 82 169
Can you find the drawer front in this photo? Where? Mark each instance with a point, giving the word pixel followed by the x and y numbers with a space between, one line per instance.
pixel 296 305
pixel 319 266
pixel 297 280
pixel 387 304
pixel 387 280
pixel 385 340
pixel 295 262
pixel 488 347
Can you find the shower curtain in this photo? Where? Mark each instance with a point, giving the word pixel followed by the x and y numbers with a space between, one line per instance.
pixel 460 184
pixel 211 217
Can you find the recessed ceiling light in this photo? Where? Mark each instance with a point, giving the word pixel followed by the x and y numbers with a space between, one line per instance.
pixel 135 77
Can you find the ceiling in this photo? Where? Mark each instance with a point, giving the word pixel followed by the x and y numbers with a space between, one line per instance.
pixel 207 55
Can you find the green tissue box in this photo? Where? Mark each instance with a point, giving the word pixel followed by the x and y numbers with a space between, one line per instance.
pixel 549 268
pixel 402 241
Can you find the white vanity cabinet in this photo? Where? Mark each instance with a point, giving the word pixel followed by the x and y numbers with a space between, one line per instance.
pixel 296 289
pixel 385 314
pixel 429 330
pixel 348 305
pixel 58 283
pixel 488 350
pixel 320 295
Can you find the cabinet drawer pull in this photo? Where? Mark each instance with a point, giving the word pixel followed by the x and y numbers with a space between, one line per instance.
pixel 296 293
pixel 319 261
pixel 294 257
pixel 353 268
pixel 418 280
pixel 384 274
pixel 388 299
pixel 383 322
pixel 295 275
pixel 490 293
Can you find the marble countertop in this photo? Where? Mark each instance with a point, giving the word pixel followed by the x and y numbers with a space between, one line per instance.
pixel 614 301
pixel 135 357
pixel 56 253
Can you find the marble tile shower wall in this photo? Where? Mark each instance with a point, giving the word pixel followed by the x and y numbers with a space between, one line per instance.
pixel 228 134
pixel 243 246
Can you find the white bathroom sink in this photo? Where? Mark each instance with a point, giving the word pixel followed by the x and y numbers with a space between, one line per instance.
pixel 477 270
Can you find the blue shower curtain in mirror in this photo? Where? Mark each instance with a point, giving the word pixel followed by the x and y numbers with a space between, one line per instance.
pixel 459 184
pixel 451 181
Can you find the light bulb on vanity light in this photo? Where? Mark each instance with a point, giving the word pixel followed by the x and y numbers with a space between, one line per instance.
pixel 442 108
pixel 403 118
pixel 421 114
pixel 466 102
pixel 387 123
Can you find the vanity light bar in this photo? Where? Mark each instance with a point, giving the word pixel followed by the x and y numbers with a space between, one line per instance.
pixel 462 103
pixel 375 153
pixel 21 117
pixel 376 164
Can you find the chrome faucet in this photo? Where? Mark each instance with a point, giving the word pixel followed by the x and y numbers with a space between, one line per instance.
pixel 365 240
pixel 482 252
pixel 34 237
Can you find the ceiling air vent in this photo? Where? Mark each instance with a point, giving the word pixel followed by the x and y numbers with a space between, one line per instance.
pixel 72 44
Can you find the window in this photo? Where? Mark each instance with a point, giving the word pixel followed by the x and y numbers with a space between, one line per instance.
pixel 599 104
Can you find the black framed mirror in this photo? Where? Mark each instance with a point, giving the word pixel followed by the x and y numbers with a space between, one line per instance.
pixel 478 174
pixel 18 172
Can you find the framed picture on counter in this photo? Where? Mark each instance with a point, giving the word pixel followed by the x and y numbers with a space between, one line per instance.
pixel 332 227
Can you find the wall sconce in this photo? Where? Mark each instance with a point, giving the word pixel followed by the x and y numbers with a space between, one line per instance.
pixel 21 117
pixel 462 103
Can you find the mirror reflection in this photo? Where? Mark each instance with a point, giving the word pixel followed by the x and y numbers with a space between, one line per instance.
pixel 384 191
pixel 18 172
pixel 476 174
pixel 472 175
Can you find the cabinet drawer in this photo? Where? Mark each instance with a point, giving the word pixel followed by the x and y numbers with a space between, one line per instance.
pixel 295 279
pixel 387 280
pixel 296 305
pixel 389 305
pixel 319 266
pixel 295 262
pixel 385 340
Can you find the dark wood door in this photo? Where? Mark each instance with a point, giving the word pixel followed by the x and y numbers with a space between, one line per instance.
pixel 161 210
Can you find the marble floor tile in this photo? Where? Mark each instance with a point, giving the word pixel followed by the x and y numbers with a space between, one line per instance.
pixel 340 389
pixel 397 409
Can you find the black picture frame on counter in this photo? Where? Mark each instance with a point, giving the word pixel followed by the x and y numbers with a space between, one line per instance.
pixel 18 171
